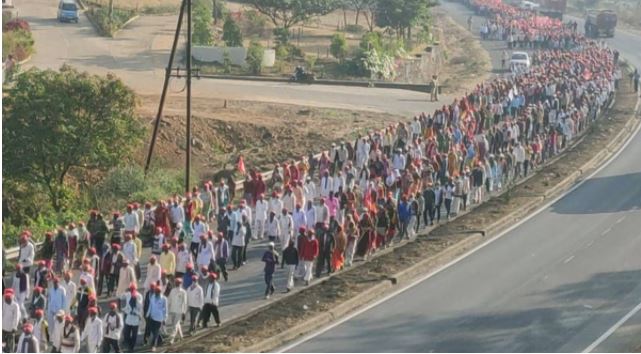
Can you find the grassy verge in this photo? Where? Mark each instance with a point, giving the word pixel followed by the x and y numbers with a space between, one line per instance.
pixel 17 40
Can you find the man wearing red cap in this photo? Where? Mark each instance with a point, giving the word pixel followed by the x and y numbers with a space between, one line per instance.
pixel 167 260
pixel 38 301
pixel 131 221
pixel 153 273
pixel 93 332
pixel 308 253
pixel 10 320
pixel 41 330
pixel 132 312
pixel 111 264
pixel 28 343
pixel 70 340
pixel 261 217
pixel 211 298
pixel 286 226
pixel 299 217
pixel 21 289
pixel 195 301
pixel 61 248
pixel 117 228
pixel 26 253
pixel 177 303
pixel 156 315
pixel 112 329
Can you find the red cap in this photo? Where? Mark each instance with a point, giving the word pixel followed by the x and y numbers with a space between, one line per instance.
pixel 133 286
pixel 194 277
pixel 93 310
pixel 116 213
pixel 302 229
pixel 27 328
pixel 179 281
pixel 213 275
pixel 68 318
pixel 39 313
pixel 113 305
pixel 115 246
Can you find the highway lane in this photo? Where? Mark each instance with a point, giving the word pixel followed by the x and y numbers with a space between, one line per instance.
pixel 555 283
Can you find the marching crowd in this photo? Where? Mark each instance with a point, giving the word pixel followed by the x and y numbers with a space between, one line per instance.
pixel 316 215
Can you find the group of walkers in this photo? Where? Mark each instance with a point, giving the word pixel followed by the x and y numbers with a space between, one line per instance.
pixel 315 216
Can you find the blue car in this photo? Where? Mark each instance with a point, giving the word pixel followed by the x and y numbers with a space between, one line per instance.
pixel 68 11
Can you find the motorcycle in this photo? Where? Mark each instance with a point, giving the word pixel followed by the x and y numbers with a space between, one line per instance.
pixel 300 75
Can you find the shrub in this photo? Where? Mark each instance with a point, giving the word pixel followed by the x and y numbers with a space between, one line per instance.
pixel 255 57
pixel 372 40
pixel 202 19
pixel 352 28
pixel 281 35
pixel 231 33
pixel 16 24
pixel 107 25
pixel 338 47
pixel 18 43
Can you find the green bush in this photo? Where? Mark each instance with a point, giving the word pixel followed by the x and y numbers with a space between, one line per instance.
pixel 372 40
pixel 18 43
pixel 352 28
pixel 107 26
pixel 231 33
pixel 254 59
pixel 281 36
pixel 202 20
pixel 338 47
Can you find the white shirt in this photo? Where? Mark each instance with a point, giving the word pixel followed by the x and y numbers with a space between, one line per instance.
pixel 195 297
pixel 261 210
pixel 36 347
pixel 205 254
pixel 70 293
pixel 212 293
pixel 93 333
pixel 276 206
pixel 273 227
pixel 286 225
pixel 112 326
pixel 27 253
pixel 182 259
pixel 177 214
pixel 132 315
pixel 310 190
pixel 10 316
pixel 326 186
pixel 130 252
pixel 177 300
pixel 153 274
pixel 198 229
pixel 131 222
pixel 300 219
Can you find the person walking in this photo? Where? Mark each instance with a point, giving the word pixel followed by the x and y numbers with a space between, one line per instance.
pixel 133 315
pixel 434 88
pixel 157 315
pixel 221 250
pixel 93 332
pixel 270 258
pixel 10 320
pixel 309 252
pixel 195 302
pixel 210 300
pixel 70 340
pixel 237 244
pixel 290 258
pixel 28 343
pixel 177 310
pixel 112 329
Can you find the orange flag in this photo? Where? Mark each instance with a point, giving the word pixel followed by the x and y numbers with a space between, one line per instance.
pixel 241 165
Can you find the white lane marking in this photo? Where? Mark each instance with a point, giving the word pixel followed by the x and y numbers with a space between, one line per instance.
pixel 590 244
pixel 620 219
pixel 606 231
pixel 568 260
pixel 588 306
pixel 465 255
pixel 612 329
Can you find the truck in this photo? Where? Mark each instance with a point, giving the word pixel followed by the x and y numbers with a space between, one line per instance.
pixel 552 8
pixel 600 23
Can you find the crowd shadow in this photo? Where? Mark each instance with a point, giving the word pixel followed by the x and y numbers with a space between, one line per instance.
pixel 597 196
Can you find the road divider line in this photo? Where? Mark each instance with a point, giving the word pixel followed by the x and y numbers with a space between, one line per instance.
pixel 568 260
pixel 620 219
pixel 612 329
pixel 606 231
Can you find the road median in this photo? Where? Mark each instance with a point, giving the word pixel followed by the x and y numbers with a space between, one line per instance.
pixel 345 292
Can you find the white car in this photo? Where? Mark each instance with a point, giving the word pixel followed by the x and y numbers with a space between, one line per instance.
pixel 528 5
pixel 520 59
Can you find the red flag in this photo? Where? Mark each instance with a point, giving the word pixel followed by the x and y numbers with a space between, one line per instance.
pixel 241 165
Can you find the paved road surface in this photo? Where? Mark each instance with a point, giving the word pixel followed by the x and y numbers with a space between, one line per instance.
pixel 556 283
pixel 139 55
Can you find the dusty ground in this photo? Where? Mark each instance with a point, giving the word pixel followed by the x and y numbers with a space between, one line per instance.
pixel 264 133
pixel 285 313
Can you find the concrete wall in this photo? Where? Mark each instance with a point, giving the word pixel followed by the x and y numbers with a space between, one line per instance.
pixel 237 55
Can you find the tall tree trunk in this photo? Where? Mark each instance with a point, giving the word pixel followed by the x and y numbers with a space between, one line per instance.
pixel 344 17
pixel 214 12
pixel 358 12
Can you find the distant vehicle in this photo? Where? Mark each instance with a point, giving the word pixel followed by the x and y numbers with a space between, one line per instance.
pixel 600 23
pixel 552 8
pixel 520 59
pixel 68 11
pixel 529 5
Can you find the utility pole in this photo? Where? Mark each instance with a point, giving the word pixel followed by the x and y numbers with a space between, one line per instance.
pixel 185 6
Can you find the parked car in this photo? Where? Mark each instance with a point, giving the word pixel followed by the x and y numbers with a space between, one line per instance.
pixel 68 11
pixel 520 59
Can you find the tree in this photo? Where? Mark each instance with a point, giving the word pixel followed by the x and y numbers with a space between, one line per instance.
pixel 338 47
pixel 202 19
pixel 56 122
pixel 402 15
pixel 231 33
pixel 254 59
pixel 287 13
pixel 358 6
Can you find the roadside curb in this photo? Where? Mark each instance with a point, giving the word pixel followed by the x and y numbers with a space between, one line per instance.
pixel 326 82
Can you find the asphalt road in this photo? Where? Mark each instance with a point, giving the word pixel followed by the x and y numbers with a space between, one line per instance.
pixel 139 55
pixel 554 284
